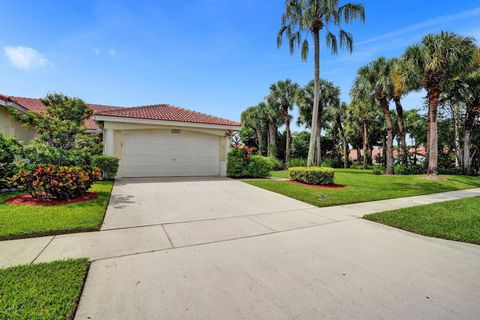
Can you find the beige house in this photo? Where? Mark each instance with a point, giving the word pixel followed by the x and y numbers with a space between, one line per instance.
pixel 164 140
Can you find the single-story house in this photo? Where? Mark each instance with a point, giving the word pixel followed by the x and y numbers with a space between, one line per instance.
pixel 151 141
pixel 10 127
pixel 165 140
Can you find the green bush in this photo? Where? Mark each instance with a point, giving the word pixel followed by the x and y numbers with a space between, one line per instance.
pixel 258 167
pixel 410 169
pixel 56 182
pixel 312 175
pixel 379 170
pixel 297 162
pixel 236 161
pixel 277 164
pixel 9 151
pixel 240 164
pixel 332 163
pixel 107 164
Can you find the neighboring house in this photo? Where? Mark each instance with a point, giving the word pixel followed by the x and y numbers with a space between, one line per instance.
pixel 419 152
pixel 164 140
pixel 11 127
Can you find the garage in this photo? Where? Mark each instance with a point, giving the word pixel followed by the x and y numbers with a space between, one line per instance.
pixel 166 141
pixel 170 153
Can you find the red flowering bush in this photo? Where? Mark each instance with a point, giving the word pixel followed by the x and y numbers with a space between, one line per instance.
pixel 56 182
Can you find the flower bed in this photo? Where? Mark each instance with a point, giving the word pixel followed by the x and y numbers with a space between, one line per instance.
pixel 28 200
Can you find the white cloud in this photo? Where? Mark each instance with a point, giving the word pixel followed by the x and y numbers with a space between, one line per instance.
pixel 26 58
pixel 96 51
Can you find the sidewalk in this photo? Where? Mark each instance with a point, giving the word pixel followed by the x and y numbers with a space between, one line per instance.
pixel 134 240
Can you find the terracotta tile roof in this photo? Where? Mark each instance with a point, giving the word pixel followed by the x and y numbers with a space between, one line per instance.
pixel 33 104
pixel 168 112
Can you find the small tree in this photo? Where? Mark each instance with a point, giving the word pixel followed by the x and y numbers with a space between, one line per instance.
pixel 62 137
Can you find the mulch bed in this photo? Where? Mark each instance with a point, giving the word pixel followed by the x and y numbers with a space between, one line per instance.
pixel 27 200
pixel 330 186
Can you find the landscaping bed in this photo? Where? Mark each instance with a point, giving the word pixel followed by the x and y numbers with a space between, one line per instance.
pixel 454 220
pixel 22 221
pixel 363 186
pixel 47 291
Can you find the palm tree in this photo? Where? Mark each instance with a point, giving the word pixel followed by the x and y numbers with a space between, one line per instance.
pixel 283 94
pixel 273 116
pixel 466 90
pixel 374 82
pixel 305 17
pixel 305 101
pixel 430 65
pixel 399 90
pixel 255 117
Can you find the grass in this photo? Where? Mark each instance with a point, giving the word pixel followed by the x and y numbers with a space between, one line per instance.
pixel 454 220
pixel 363 185
pixel 47 291
pixel 18 221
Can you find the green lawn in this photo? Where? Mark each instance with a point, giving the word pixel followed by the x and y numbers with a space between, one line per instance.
pixel 363 185
pixel 454 220
pixel 47 291
pixel 18 221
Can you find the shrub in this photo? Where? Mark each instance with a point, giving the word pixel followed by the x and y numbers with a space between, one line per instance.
pixel 379 170
pixel 312 175
pixel 236 161
pixel 240 164
pixel 9 150
pixel 451 171
pixel 107 164
pixel 297 162
pixel 258 167
pixel 57 182
pixel 410 169
pixel 277 164
pixel 332 163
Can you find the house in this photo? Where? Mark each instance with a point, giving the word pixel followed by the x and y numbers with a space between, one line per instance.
pixel 10 127
pixel 165 140
pixel 151 141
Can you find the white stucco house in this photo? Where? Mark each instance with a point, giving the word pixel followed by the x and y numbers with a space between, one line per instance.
pixel 164 140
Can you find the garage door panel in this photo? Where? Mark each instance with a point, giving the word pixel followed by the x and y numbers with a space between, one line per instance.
pixel 157 154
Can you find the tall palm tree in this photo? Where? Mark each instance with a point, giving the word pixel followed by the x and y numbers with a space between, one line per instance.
pixel 374 81
pixel 305 102
pixel 273 116
pixel 309 17
pixel 255 117
pixel 431 64
pixel 283 94
pixel 399 90
pixel 466 90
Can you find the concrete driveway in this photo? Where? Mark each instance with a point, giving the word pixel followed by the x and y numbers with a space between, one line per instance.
pixel 228 250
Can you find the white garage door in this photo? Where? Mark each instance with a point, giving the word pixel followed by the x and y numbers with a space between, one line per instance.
pixel 169 154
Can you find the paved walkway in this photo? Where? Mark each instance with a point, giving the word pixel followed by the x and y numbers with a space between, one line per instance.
pixel 287 215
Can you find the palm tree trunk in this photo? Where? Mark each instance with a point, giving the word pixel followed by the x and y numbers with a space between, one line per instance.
pixel 259 139
pixel 272 137
pixel 427 146
pixel 402 140
pixel 365 144
pixel 334 140
pixel 388 121
pixel 433 97
pixel 318 155
pixel 316 99
pixel 469 121
pixel 288 138
pixel 345 153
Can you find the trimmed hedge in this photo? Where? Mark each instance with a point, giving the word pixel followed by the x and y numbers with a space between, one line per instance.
pixel 258 167
pixel 107 164
pixel 312 175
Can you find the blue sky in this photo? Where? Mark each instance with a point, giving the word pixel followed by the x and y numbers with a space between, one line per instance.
pixel 214 56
